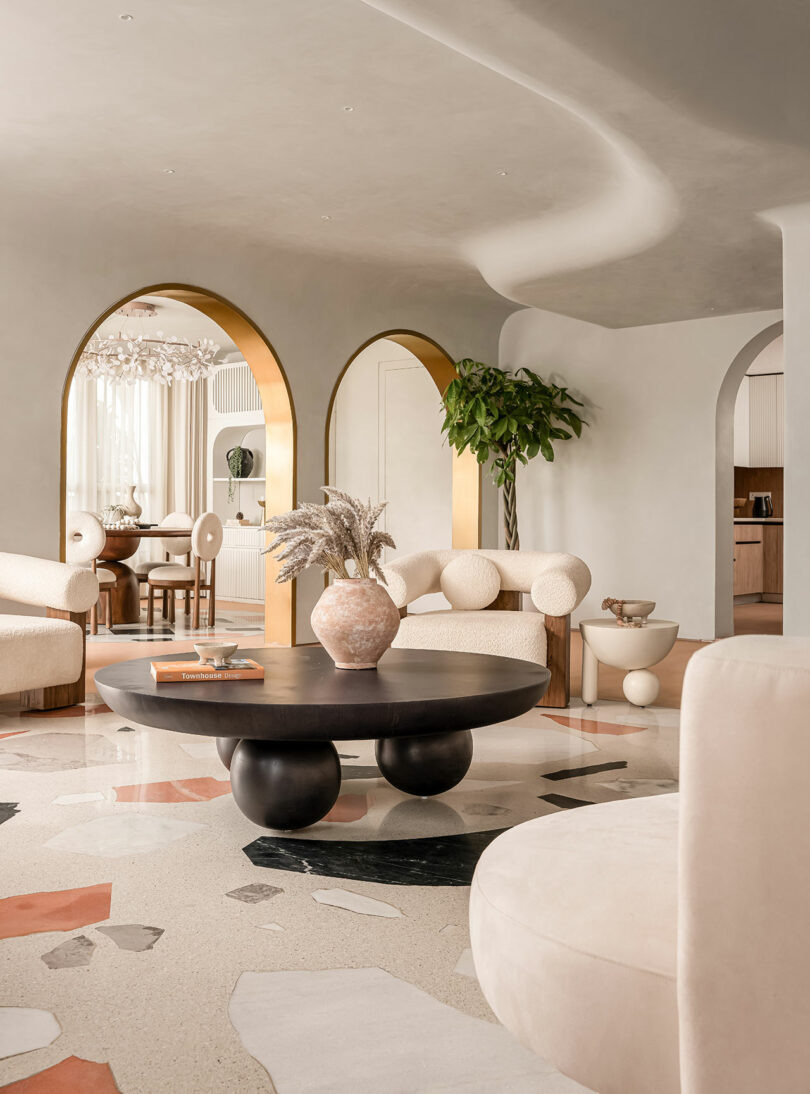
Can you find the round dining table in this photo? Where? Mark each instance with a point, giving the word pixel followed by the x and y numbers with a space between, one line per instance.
pixel 122 543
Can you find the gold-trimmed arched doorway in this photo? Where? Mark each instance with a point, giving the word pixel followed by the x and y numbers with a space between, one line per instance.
pixel 279 417
pixel 466 471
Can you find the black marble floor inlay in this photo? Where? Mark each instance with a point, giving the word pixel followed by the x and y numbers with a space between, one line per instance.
pixel 578 772
pixel 562 802
pixel 142 628
pixel 432 860
pixel 7 810
pixel 358 771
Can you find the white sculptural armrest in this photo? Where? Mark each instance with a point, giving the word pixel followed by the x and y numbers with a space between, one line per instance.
pixel 47 584
pixel 561 585
pixel 414 575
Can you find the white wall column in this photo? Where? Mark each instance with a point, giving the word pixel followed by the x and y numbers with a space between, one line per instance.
pixel 794 222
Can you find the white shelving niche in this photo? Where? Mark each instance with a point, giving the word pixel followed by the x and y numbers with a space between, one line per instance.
pixel 235 417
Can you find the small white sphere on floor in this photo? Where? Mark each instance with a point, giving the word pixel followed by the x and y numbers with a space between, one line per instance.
pixel 641 687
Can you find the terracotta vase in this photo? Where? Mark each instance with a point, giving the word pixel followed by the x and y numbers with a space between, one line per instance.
pixel 355 621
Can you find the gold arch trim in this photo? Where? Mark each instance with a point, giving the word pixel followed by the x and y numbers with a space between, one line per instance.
pixel 280 427
pixel 466 469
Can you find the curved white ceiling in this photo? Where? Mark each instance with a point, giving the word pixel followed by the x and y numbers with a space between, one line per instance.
pixel 633 209
pixel 573 156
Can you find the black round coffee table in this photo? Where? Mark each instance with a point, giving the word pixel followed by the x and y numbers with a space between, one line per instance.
pixel 276 735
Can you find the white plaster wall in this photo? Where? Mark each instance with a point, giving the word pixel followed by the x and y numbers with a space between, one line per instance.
pixel 58 276
pixel 635 498
pixel 794 222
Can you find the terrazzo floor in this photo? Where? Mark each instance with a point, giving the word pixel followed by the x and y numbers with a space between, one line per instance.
pixel 154 940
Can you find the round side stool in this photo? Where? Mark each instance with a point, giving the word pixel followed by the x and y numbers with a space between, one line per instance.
pixel 634 649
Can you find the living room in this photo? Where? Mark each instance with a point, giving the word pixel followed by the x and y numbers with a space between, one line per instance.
pixel 435 845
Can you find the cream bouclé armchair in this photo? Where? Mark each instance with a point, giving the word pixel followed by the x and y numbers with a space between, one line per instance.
pixel 43 657
pixel 658 945
pixel 484 589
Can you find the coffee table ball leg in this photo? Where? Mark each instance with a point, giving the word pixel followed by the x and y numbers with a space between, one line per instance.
pixel 425 765
pixel 285 784
pixel 225 748
pixel 641 687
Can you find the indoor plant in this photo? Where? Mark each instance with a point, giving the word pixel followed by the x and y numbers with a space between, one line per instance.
pixel 240 464
pixel 509 417
pixel 355 619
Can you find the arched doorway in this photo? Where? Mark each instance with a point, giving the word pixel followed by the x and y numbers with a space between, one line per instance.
pixel 466 472
pixel 724 477
pixel 279 418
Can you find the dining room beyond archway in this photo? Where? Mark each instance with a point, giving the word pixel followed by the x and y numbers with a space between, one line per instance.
pixel 174 440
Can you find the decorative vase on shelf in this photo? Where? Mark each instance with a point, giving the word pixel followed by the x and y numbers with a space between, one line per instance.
pixel 239 469
pixel 355 620
pixel 130 505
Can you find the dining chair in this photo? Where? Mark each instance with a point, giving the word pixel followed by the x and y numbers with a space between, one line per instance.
pixel 172 547
pixel 205 542
pixel 84 541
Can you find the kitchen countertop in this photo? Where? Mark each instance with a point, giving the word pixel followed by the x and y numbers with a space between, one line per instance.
pixel 759 520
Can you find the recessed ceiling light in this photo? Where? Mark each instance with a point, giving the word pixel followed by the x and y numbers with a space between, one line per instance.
pixel 126 18
pixel 168 170
pixel 348 109
pixel 326 217
pixel 503 174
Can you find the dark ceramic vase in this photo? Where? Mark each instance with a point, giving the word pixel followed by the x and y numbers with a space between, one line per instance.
pixel 247 463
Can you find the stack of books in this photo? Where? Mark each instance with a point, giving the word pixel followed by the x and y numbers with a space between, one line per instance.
pixel 192 672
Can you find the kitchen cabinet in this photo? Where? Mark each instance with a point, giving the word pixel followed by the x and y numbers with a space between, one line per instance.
pixel 773 539
pixel 241 565
pixel 758 560
pixel 749 559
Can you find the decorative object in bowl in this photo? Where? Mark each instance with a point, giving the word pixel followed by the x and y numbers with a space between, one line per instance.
pixel 629 613
pixel 216 653
pixel 112 514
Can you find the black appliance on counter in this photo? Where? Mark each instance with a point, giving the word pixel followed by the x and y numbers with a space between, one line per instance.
pixel 763 506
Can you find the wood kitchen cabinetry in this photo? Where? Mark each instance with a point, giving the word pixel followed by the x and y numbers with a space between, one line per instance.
pixel 749 559
pixel 758 559
pixel 773 539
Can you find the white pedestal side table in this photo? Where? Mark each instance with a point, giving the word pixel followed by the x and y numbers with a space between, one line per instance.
pixel 634 649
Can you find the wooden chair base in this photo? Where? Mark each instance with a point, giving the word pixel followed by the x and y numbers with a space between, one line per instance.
pixel 105 599
pixel 558 661
pixel 196 586
pixel 558 648
pixel 60 695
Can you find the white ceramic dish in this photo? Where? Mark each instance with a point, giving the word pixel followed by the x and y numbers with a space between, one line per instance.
pixel 215 652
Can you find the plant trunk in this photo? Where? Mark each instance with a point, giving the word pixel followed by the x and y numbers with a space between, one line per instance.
pixel 510 516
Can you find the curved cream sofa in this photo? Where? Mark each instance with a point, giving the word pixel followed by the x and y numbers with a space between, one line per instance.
pixel 659 944
pixel 43 656
pixel 556 582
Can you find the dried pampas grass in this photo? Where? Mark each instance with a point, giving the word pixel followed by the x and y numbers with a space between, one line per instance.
pixel 329 536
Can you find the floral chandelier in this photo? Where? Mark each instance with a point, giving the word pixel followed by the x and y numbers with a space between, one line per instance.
pixel 129 357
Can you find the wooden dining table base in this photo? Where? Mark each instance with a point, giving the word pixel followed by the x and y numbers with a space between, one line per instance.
pixel 125 593
pixel 122 543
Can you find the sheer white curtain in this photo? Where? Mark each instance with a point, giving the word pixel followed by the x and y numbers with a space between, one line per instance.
pixel 116 437
pixel 188 403
pixel 142 433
